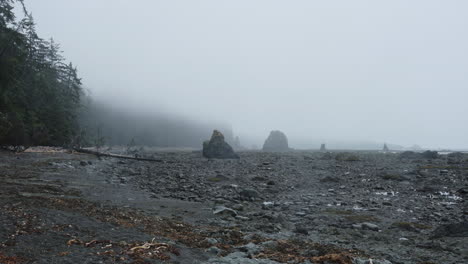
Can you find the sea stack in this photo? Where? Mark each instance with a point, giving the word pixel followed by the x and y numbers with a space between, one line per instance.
pixel 385 148
pixel 276 142
pixel 323 148
pixel 217 148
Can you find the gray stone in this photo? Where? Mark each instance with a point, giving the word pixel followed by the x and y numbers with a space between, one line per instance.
pixel 370 226
pixel 301 230
pixel 430 154
pixel 238 207
pixel 267 205
pixel 270 244
pixel 243 218
pixel 248 194
pixel 300 214
pixel 214 250
pixel 211 240
pixel 250 249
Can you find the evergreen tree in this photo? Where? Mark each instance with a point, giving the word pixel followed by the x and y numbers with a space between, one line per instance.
pixel 39 92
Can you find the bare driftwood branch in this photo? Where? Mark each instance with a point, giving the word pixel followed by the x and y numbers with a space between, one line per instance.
pixel 100 154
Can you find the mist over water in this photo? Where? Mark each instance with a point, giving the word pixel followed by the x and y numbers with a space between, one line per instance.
pixel 344 73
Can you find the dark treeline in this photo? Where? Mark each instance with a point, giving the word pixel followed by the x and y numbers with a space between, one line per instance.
pixel 110 124
pixel 39 91
pixel 42 101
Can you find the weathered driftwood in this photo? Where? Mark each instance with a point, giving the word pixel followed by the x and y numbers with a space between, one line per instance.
pixel 100 154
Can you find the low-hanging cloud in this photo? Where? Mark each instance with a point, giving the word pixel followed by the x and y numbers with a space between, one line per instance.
pixel 321 71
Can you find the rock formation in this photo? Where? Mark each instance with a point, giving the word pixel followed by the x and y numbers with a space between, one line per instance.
pixel 430 154
pixel 217 148
pixel 323 148
pixel 385 148
pixel 276 142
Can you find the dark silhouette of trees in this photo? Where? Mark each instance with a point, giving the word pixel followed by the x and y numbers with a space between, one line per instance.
pixel 42 101
pixel 39 92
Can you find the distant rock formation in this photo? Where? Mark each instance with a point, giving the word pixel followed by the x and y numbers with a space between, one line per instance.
pixel 217 148
pixel 276 142
pixel 385 148
pixel 323 148
pixel 236 145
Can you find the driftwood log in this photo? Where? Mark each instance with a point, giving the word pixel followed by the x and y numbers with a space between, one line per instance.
pixel 100 154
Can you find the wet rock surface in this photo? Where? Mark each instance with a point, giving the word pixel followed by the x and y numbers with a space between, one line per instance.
pixel 359 207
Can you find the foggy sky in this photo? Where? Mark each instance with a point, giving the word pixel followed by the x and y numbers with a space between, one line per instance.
pixel 382 71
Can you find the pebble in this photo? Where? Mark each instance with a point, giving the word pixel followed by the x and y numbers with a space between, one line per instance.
pixel 214 250
pixel 270 244
pixel 211 240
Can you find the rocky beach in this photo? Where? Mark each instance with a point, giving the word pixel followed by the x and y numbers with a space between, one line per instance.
pixel 290 207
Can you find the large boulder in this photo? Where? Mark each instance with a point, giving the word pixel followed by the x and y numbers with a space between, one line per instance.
pixel 217 148
pixel 430 154
pixel 276 142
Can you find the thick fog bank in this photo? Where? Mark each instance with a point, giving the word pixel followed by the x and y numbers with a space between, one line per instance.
pixel 118 124
pixel 320 71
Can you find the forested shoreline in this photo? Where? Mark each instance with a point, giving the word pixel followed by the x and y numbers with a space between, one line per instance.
pixel 42 100
pixel 39 90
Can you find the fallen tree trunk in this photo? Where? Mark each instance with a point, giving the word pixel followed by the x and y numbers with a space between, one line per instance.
pixel 100 154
